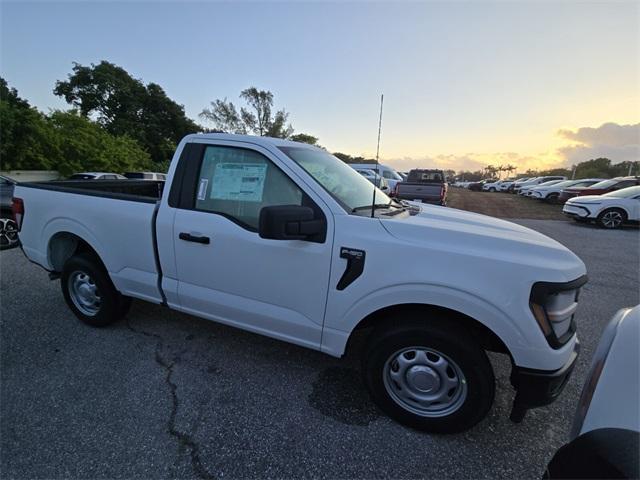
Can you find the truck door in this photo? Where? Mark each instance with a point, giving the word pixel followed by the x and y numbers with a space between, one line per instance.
pixel 225 271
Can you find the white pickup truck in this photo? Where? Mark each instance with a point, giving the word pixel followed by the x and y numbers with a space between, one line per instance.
pixel 283 239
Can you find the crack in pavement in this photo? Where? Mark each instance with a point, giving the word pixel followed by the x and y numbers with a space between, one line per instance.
pixel 184 439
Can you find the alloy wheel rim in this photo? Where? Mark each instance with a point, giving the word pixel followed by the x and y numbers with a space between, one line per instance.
pixel 425 382
pixel 84 293
pixel 612 219
pixel 8 232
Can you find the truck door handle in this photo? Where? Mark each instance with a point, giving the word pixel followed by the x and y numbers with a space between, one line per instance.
pixel 193 238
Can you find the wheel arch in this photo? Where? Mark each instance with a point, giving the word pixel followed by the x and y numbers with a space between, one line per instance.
pixel 63 245
pixel 488 339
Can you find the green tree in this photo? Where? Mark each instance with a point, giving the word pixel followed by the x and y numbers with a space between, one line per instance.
pixel 594 168
pixel 304 138
pixel 85 145
pixel 256 118
pixel 26 138
pixel 124 105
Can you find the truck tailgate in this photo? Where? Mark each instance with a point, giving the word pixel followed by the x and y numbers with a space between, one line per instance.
pixel 120 231
pixel 419 191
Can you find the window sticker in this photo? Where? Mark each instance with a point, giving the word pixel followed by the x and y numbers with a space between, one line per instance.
pixel 202 188
pixel 238 181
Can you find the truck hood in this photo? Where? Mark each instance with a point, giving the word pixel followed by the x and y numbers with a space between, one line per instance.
pixel 448 229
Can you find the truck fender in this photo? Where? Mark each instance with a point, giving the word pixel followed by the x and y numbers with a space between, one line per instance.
pixel 337 333
pixel 58 226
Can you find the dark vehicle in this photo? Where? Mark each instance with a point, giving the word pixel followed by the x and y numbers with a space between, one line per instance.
pixel 8 228
pixel 477 186
pixel 599 188
pixel 426 186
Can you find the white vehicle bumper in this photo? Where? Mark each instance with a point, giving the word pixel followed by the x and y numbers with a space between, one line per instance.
pixel 576 211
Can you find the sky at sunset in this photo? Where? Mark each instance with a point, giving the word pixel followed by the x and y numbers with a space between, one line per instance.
pixel 536 84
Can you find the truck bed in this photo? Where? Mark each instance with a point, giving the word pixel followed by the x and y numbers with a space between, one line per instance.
pixel 115 217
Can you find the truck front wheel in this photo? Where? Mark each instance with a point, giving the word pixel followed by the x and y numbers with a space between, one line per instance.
pixel 429 376
pixel 89 292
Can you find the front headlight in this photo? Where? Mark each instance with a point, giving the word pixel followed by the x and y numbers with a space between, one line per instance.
pixel 553 305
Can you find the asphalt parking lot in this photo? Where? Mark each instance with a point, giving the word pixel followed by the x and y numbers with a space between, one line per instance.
pixel 166 395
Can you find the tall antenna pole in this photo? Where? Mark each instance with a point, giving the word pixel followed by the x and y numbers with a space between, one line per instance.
pixel 373 203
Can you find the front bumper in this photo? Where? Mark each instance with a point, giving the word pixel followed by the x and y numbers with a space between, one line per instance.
pixel 575 211
pixel 536 388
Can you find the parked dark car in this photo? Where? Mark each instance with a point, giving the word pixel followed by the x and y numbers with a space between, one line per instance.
pixel 427 186
pixel 477 186
pixel 8 228
pixel 599 188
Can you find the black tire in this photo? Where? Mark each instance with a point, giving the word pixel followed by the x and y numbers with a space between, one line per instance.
pixel 492 189
pixel 455 345
pixel 552 198
pixel 8 233
pixel 612 218
pixel 88 271
pixel 124 305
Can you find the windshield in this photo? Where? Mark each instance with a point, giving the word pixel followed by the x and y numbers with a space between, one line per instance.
pixel 348 187
pixel 624 192
pixel 605 183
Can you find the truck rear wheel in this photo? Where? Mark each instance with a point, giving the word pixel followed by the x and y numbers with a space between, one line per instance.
pixel 429 376
pixel 89 292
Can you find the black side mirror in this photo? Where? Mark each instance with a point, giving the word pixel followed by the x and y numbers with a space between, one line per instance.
pixel 290 222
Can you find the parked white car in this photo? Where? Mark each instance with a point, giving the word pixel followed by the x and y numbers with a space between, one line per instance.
pixel 282 239
pixel 492 186
pixel 611 210
pixel 528 191
pixel 374 178
pixel 605 437
pixel 509 185
pixel 551 191
pixel 97 176
pixel 389 174
pixel 146 176
pixel 519 185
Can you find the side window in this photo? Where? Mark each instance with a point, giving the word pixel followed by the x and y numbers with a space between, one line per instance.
pixel 237 183
pixel 624 184
pixel 387 174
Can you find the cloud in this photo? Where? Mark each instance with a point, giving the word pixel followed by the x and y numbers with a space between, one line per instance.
pixel 471 161
pixel 611 140
pixel 618 142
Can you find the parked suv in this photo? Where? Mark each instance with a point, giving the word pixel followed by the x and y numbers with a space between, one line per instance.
pixel 378 180
pixel 599 188
pixel 551 193
pixel 610 210
pixel 535 181
pixel 389 174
